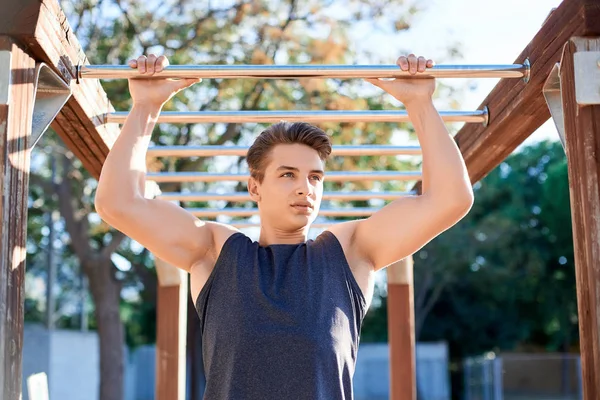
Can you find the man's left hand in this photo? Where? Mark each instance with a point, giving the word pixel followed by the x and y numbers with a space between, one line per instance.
pixel 409 90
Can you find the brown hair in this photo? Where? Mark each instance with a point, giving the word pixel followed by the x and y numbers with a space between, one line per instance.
pixel 285 133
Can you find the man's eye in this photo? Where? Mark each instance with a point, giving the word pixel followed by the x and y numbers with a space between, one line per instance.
pixel 288 174
pixel 316 177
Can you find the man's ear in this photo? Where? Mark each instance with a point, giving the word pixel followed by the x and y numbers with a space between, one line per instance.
pixel 253 189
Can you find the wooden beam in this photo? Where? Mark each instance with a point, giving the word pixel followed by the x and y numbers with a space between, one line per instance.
pixel 582 134
pixel 171 335
pixel 17 75
pixel 171 339
pixel 517 109
pixel 401 330
pixel 42 26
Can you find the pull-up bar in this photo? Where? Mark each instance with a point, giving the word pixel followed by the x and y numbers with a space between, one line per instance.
pixel 248 224
pixel 342 150
pixel 239 197
pixel 346 176
pixel 307 71
pixel 478 116
pixel 248 212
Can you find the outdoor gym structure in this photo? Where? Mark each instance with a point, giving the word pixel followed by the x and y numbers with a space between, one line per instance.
pixel 46 80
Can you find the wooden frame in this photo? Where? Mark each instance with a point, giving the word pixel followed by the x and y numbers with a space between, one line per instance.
pixel 582 144
pixel 17 74
pixel 401 330
pixel 172 303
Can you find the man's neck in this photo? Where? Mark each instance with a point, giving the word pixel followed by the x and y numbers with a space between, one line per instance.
pixel 269 236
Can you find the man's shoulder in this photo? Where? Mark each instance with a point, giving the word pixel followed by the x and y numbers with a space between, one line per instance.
pixel 221 233
pixel 344 232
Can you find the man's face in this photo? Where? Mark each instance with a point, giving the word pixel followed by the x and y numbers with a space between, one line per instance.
pixel 290 194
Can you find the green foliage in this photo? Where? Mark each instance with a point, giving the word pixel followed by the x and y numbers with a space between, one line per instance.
pixel 505 273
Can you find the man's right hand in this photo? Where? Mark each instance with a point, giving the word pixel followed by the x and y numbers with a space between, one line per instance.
pixel 154 92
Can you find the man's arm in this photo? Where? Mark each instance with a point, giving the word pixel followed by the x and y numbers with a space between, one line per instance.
pixel 407 224
pixel 167 230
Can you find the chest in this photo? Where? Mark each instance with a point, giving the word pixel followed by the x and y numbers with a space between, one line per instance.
pixel 277 295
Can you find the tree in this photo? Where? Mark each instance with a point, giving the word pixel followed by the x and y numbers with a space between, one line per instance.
pixel 258 32
pixel 502 279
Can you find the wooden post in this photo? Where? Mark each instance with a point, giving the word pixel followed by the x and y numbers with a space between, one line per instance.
pixel 582 137
pixel 401 329
pixel 171 314
pixel 17 75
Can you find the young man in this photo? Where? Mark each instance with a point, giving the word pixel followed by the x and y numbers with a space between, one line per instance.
pixel 281 317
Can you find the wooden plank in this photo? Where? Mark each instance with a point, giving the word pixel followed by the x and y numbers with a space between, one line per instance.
pixel 43 27
pixel 171 339
pixel 582 134
pixel 517 109
pixel 401 330
pixel 17 72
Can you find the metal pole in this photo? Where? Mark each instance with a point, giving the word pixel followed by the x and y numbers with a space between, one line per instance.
pixel 162 177
pixel 312 116
pixel 498 384
pixel 307 71
pixel 50 282
pixel 208 151
pixel 467 379
pixel 243 196
pixel 243 224
pixel 83 317
pixel 248 212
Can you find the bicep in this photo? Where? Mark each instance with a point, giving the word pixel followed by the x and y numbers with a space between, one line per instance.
pixel 403 227
pixel 165 229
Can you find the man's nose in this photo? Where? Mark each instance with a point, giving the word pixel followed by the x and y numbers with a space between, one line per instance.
pixel 304 187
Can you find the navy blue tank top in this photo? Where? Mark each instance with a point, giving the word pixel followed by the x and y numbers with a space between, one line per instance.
pixel 280 321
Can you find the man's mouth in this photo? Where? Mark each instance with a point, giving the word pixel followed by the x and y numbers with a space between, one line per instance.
pixel 303 207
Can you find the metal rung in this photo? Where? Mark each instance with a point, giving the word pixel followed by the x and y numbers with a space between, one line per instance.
pixel 244 224
pixel 163 177
pixel 477 116
pixel 241 197
pixel 208 151
pixel 306 71
pixel 248 212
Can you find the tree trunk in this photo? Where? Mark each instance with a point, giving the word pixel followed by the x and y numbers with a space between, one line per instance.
pixel 106 293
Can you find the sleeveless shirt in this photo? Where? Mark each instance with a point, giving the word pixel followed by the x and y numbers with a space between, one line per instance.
pixel 280 321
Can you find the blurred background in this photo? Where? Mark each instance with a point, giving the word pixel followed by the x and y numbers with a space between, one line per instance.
pixel 495 296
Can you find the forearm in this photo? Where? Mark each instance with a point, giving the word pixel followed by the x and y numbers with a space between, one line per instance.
pixel 123 174
pixel 444 170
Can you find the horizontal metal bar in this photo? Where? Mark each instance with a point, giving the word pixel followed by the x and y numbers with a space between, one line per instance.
pixel 162 177
pixel 245 224
pixel 248 212
pixel 311 116
pixel 244 196
pixel 208 151
pixel 306 71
